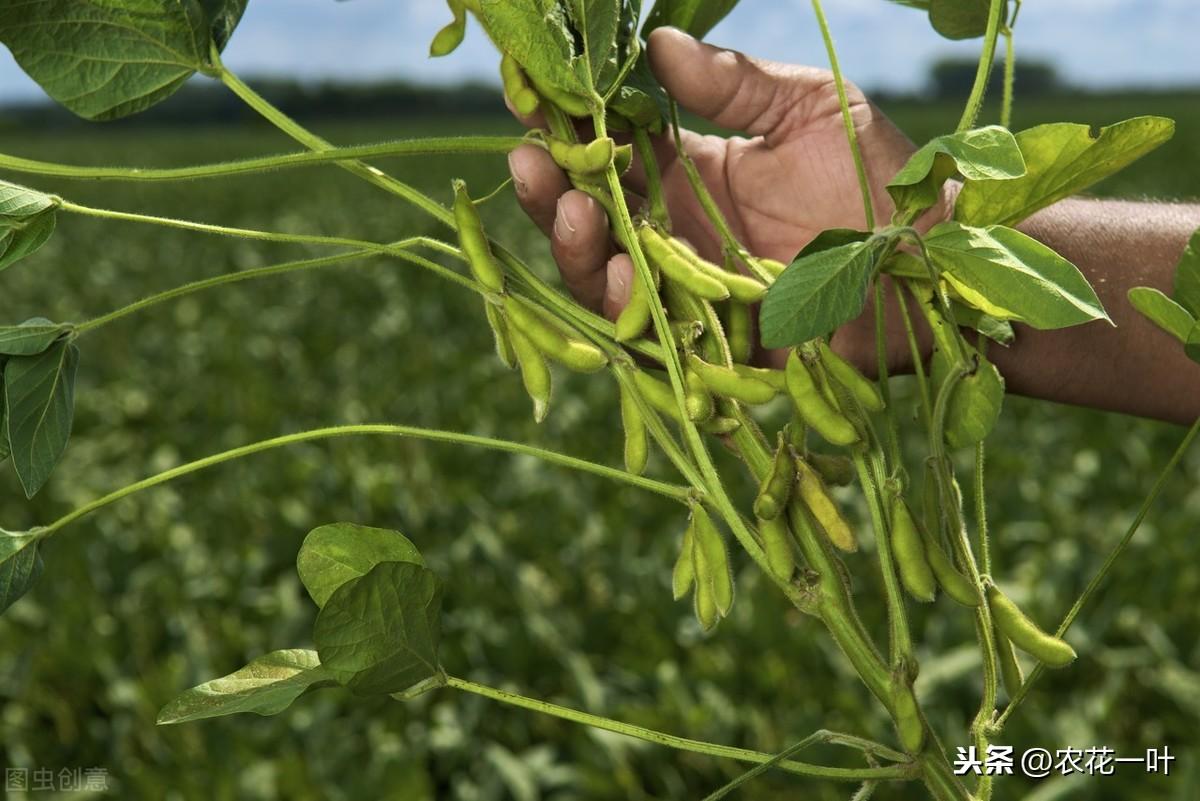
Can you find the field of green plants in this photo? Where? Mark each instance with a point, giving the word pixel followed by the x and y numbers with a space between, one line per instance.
pixel 554 586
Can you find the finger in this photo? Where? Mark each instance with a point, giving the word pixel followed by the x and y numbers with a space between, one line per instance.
pixel 539 184
pixel 729 88
pixel 619 275
pixel 581 247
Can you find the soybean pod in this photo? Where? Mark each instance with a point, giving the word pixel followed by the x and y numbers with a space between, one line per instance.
pixel 658 394
pixel 517 89
pixel 908 548
pixel 499 326
pixel 823 508
pixel 711 545
pixel 535 373
pixel 1051 651
pixel 553 338
pixel 740 332
pixel 697 399
pixel 636 316
pixel 683 575
pixel 742 288
pixel 776 489
pixel 957 586
pixel 679 269
pixel 845 374
pixel 812 406
pixel 474 241
pixel 637 444
pixel 1010 667
pixel 587 160
pixel 775 536
pixel 728 383
pixel 836 471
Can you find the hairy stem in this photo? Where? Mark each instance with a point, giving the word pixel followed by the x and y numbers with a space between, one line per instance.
pixel 984 73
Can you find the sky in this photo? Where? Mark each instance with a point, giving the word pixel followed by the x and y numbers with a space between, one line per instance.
pixel 1095 43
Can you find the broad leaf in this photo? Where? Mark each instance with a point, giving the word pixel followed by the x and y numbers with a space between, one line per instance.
pixel 597 23
pixel 975 405
pixel 1187 277
pixel 1011 276
pixel 334 554
pixel 1192 346
pixel 988 153
pixel 1061 160
pixel 39 393
pixel 539 36
pixel 961 19
pixel 31 337
pixel 27 219
pixel 378 634
pixel 20 565
pixel 697 17
pixel 266 686
pixel 818 293
pixel 1163 312
pixel 107 59
pixel 999 331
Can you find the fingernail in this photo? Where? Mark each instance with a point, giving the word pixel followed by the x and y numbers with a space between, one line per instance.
pixel 563 229
pixel 518 181
pixel 617 286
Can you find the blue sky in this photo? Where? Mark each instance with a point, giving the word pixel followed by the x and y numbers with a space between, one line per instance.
pixel 1095 42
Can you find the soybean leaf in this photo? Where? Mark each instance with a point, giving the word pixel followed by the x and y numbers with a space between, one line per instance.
pixel 20 565
pixel 1163 312
pixel 1187 277
pixel 597 23
pixel 39 392
pixel 989 153
pixel 976 402
pixel 697 17
pixel 538 35
pixel 961 19
pixel 641 99
pixel 1061 159
pixel 4 448
pixel 266 686
pixel 820 291
pixel 104 60
pixel 378 634
pixel 334 554
pixel 1192 346
pixel 31 337
pixel 27 219
pixel 1011 276
pixel 999 331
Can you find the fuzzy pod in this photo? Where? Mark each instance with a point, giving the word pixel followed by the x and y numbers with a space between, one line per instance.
pixel 637 442
pixel 908 549
pixel 683 575
pixel 812 491
pixel 720 425
pixel 776 489
pixel 862 390
pixel 635 318
pixel 535 373
pixel 572 105
pixel 775 536
pixel 716 570
pixel 504 347
pixel 553 338
pixel 474 241
pixel 812 406
pixel 704 598
pixel 836 471
pixel 956 585
pixel 742 288
pixel 658 394
pixel 1051 651
pixel 697 399
pixel 450 37
pixel 740 332
pixel 772 378
pixel 1010 667
pixel 772 267
pixel 623 159
pixel 728 383
pixel 588 159
pixel 907 716
pixel 678 269
pixel 517 89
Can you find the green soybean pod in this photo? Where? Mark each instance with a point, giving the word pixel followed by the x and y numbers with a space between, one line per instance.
pixel 474 241
pixel 637 443
pixel 836 471
pixel 534 372
pixel 683 575
pixel 772 267
pixel 1010 667
pixel 823 508
pixel 721 425
pixel 679 269
pixel 726 382
pixel 635 318
pixel 697 399
pixel 1051 651
pixel 772 378
pixel 523 98
pixel 553 339
pixel 570 156
pixel 908 548
pixel 776 489
pixel 704 598
pixel 957 586
pixel 623 159
pixel 573 105
pixel 907 716
pixel 740 333
pixel 742 288
pixel 450 37
pixel 862 390
pixel 504 347
pixel 711 545
pixel 812 406
pixel 775 536
pixel 598 155
pixel 658 394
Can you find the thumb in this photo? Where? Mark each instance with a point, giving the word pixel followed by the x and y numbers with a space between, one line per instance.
pixel 729 88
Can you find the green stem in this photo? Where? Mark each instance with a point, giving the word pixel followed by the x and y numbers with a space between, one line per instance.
pixel 668 490
pixel 893 772
pixel 412 147
pixel 914 347
pixel 655 194
pixel 1010 78
pixel 984 73
pixel 860 169
pixel 869 467
pixel 1109 563
pixel 885 388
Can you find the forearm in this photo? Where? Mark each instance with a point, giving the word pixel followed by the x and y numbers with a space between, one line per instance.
pixel 1133 368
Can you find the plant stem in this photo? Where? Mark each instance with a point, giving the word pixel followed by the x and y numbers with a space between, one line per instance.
pixel 668 490
pixel 984 73
pixel 1094 585
pixel 870 477
pixel 864 183
pixel 896 772
pixel 655 195
pixel 1010 78
pixel 915 349
pixel 885 388
pixel 411 147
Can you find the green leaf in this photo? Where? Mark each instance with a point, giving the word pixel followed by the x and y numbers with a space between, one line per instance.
pixel 31 337
pixel 27 219
pixel 5 450
pixel 39 393
pixel 1163 312
pixel 334 554
pixel 1061 160
pixel 988 153
pixel 266 686
pixel 1192 346
pixel 378 634
pixel 1187 277
pixel 538 35
pixel 1011 276
pixel 961 19
pixel 596 22
pixel 20 565
pixel 104 60
pixel 819 292
pixel 999 331
pixel 697 17
pixel 975 406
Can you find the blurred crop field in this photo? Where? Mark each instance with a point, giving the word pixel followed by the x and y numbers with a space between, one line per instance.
pixel 557 585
